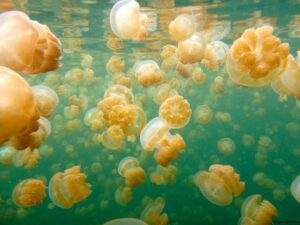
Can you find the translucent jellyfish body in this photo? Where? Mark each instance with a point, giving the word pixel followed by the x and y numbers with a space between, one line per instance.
pixel 148 73
pixel 29 192
pixel 120 91
pixel 123 195
pixel 255 210
pixel 191 50
pixel 94 119
pixel 182 27
pixel 162 92
pixel 115 65
pixel 46 99
pixel 69 187
pixel 17 105
pixel 215 55
pixel 27 46
pixel 125 221
pixel 175 111
pixel 129 167
pixel 6 155
pixel 257 57
pixel 153 215
pixel 128 22
pixel 28 158
pixel 164 175
pixel 226 146
pixel 219 184
pixel 203 114
pixel 295 188
pixel 113 138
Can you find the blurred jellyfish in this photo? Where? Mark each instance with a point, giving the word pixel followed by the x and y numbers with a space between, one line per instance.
pixel 183 27
pixel 203 114
pixel 6 155
pixel 69 187
pixel 113 138
pixel 148 73
pixel 198 76
pixel 215 55
pixel 219 184
pixel 255 210
pixel 218 85
pixel 29 192
pixel 94 119
pixel 162 92
pixel 257 58
pixel 125 221
pixel 86 61
pixel 115 65
pixel 129 167
pixel 28 158
pixel 152 213
pixel 226 146
pixel 46 99
pixel 248 140
pixel 27 46
pixel 123 195
pixel 164 175
pixel 295 188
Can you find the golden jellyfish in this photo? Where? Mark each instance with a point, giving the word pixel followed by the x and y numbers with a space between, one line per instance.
pixel 148 73
pixel 113 138
pixel 115 65
pixel 123 195
pixel 191 50
pixel 129 167
pixel 223 117
pixel 6 155
pixel 219 184
pixel 257 58
pixel 94 119
pixel 125 221
pixel 198 76
pixel 86 61
pixel 118 90
pixel 69 187
pixel 17 106
pixel 203 114
pixel 175 111
pixel 28 158
pixel 29 192
pixel 153 215
pixel 226 146
pixel 164 175
pixel 162 92
pixel 215 55
pixel 182 27
pixel 248 140
pixel 257 211
pixel 128 22
pixel 46 99
pixel 218 85
pixel 295 188
pixel 27 46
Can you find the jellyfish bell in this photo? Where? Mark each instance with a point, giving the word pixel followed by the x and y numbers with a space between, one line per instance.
pixel 182 27
pixel 126 164
pixel 295 188
pixel 6 155
pixel 215 55
pixel 152 214
pixel 125 221
pixel 120 91
pixel 203 114
pixel 226 146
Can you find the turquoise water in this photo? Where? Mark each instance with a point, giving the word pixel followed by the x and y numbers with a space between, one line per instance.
pixel 83 28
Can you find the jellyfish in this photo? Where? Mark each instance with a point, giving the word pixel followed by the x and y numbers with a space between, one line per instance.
pixel 203 114
pixel 29 192
pixel 153 215
pixel 218 86
pixel 94 119
pixel 148 73
pixel 255 210
pixel 113 138
pixel 219 184
pixel 129 167
pixel 191 50
pixel 125 221
pixel 257 58
pixel 69 187
pixel 198 76
pixel 295 188
pixel 164 175
pixel 226 146
pixel 215 55
pixel 175 111
pixel 46 99
pixel 27 46
pixel 182 27
pixel 6 155
pixel 28 158
pixel 17 106
pixel 123 195
pixel 118 90
pixel 86 61
pixel 168 54
pixel 162 92
pixel 115 65
pixel 128 22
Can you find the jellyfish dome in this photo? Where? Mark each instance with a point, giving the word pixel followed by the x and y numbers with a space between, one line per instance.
pixel 125 221
pixel 27 46
pixel 226 146
pixel 295 188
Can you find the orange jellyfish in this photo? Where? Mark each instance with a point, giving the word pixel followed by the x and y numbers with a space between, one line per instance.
pixel 27 46
pixel 182 27
pixel 219 184
pixel 129 167
pixel 215 55
pixel 28 158
pixel 46 99
pixel 152 213
pixel 257 211
pixel 17 106
pixel 123 195
pixel 162 92
pixel 295 188
pixel 113 138
pixel 69 187
pixel 128 22
pixel 125 221
pixel 29 192
pixel 148 73
pixel 115 65
pixel 175 111
pixel 257 58
pixel 203 114
pixel 226 146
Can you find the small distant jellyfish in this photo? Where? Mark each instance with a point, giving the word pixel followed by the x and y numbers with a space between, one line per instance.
pixel 203 114
pixel 164 175
pixel 27 46
pixel 198 76
pixel 248 140
pixel 162 92
pixel 182 27
pixel 129 167
pixel 255 210
pixel 192 50
pixel 148 73
pixel 153 215
pixel 125 221
pixel 128 22
pixel 29 192
pixel 257 58
pixel 219 184
pixel 94 119
pixel 69 187
pixel 46 99
pixel 115 65
pixel 123 195
pixel 226 146
pixel 295 188
pixel 215 55
pixel 86 61
pixel 218 85
pixel 28 158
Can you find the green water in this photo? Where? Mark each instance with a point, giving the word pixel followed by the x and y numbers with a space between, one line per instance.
pixel 82 27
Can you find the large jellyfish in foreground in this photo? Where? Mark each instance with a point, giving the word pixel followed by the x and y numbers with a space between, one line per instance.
pixel 27 46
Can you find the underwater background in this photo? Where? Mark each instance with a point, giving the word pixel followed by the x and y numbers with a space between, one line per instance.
pixel 254 113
